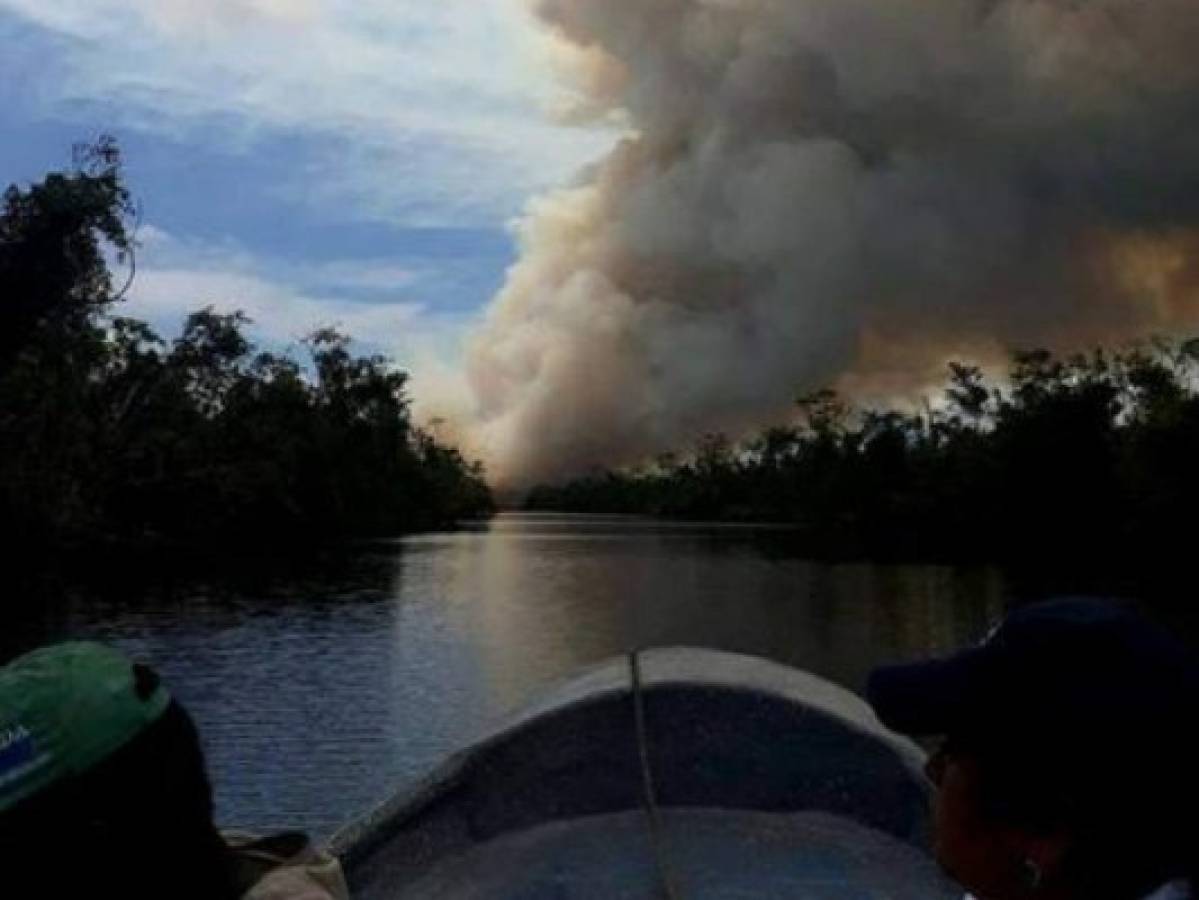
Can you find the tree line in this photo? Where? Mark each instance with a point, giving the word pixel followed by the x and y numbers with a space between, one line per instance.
pixel 1090 458
pixel 109 432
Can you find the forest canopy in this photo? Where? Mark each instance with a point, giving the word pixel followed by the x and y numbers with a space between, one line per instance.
pixel 109 432
pixel 1080 460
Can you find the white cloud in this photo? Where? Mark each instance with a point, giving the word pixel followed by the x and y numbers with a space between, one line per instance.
pixel 178 276
pixel 433 111
pixel 379 275
pixel 281 314
pixel 368 275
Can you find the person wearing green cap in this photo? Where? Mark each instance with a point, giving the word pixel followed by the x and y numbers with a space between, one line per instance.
pixel 104 792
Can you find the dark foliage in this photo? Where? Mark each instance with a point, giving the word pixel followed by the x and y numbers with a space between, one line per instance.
pixel 1078 461
pixel 109 433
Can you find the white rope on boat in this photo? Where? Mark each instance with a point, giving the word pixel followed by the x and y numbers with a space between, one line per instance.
pixel 666 880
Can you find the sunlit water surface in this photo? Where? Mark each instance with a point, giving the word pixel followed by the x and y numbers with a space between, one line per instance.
pixel 318 694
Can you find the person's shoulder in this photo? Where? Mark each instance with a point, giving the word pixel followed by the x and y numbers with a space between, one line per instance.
pixel 286 866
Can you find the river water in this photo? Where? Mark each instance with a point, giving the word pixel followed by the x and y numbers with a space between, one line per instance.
pixel 320 689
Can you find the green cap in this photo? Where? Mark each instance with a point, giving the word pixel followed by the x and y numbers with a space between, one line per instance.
pixel 65 708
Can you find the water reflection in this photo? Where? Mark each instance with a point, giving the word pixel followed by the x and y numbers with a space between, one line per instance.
pixel 318 690
pixel 546 596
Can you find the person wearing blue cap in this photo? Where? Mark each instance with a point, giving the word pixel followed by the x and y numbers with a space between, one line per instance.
pixel 104 793
pixel 1067 768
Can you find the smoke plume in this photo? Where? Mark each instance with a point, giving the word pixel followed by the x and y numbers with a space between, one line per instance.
pixel 814 191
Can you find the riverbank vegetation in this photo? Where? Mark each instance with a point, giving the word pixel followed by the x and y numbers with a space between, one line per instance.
pixel 111 434
pixel 1089 460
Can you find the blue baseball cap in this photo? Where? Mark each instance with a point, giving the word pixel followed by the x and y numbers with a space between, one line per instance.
pixel 1068 674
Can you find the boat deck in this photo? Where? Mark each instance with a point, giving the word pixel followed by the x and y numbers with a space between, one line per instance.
pixel 711 854
pixel 767 781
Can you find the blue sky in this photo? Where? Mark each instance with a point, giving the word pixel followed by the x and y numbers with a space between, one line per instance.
pixel 310 161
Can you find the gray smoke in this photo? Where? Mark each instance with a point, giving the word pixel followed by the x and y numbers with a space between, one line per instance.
pixel 817 191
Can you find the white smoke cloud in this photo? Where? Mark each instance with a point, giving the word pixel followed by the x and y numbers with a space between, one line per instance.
pixel 813 190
